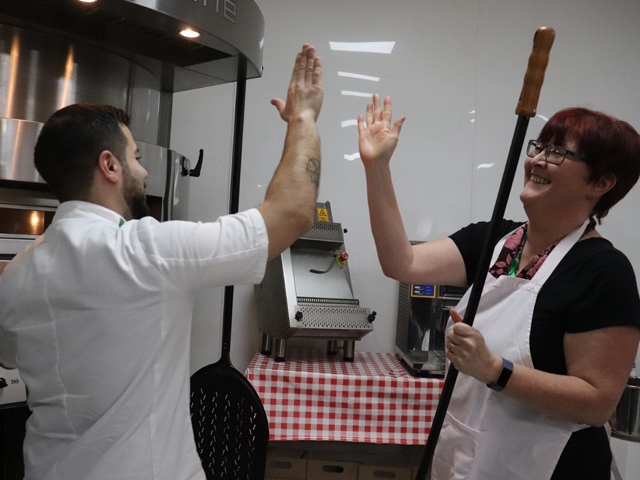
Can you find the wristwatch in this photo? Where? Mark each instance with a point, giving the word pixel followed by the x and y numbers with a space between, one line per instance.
pixel 505 374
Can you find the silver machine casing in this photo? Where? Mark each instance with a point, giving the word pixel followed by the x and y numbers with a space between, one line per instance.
pixel 423 312
pixel 295 302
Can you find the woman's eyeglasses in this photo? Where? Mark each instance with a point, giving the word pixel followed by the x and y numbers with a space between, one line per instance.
pixel 552 153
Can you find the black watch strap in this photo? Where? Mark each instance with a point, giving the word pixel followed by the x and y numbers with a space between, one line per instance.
pixel 505 374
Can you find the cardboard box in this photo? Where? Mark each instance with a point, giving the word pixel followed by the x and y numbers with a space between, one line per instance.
pixel 271 478
pixel 380 472
pixel 285 464
pixel 286 468
pixel 318 469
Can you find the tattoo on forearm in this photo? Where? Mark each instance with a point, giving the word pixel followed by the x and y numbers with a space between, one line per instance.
pixel 313 169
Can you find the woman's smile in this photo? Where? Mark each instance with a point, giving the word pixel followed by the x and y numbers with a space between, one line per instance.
pixel 539 180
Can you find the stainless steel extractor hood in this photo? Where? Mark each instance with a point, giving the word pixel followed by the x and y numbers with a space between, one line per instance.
pixel 147 33
pixel 127 53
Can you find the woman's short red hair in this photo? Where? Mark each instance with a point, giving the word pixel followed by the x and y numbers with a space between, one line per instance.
pixel 611 146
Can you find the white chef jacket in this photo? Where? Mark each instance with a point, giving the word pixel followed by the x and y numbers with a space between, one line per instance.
pixel 96 315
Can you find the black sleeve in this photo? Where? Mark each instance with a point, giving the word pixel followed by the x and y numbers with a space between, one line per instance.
pixel 470 241
pixel 592 287
pixel 604 292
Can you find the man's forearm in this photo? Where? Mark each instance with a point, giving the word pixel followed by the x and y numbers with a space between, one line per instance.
pixel 292 194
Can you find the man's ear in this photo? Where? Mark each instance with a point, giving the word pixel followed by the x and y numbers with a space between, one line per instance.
pixel 602 185
pixel 108 166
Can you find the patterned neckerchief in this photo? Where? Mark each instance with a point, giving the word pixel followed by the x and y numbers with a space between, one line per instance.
pixel 512 249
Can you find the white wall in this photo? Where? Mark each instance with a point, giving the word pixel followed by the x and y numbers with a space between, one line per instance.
pixel 456 72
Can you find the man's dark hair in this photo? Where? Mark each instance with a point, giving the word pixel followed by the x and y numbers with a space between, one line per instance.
pixel 70 143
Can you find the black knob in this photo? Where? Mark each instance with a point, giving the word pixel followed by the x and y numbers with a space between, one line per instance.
pixel 372 317
pixel 298 316
pixel 3 383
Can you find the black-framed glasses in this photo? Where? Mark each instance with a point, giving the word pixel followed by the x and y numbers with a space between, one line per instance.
pixel 552 153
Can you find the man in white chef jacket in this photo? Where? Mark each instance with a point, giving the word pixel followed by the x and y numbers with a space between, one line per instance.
pixel 102 337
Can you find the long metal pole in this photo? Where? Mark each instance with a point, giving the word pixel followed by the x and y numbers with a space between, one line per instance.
pixel 538 60
pixel 234 194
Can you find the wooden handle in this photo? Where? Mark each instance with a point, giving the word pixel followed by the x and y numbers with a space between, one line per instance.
pixel 538 60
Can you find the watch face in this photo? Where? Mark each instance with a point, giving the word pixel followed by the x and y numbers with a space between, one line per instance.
pixel 505 374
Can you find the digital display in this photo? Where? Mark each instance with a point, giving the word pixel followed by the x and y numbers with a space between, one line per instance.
pixel 423 291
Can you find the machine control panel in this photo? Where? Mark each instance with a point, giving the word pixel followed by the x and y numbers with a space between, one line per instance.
pixel 423 291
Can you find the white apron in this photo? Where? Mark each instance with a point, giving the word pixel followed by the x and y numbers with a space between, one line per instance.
pixel 487 435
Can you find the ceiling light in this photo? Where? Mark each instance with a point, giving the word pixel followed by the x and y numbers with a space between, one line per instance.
pixel 358 76
pixel 349 93
pixel 363 47
pixel 189 33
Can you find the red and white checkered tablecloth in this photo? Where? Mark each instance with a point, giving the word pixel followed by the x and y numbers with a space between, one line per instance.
pixel 315 396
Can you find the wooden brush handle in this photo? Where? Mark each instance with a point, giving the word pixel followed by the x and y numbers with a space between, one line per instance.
pixel 533 78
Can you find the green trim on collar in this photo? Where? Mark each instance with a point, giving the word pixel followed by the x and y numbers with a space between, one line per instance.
pixel 122 222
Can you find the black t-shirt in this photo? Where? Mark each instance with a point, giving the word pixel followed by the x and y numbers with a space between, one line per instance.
pixel 592 287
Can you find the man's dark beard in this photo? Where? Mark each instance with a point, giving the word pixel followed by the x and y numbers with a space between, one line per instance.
pixel 138 206
pixel 136 199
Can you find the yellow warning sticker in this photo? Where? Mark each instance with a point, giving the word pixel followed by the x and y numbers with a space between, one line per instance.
pixel 323 214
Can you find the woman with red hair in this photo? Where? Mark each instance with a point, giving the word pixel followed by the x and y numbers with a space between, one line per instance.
pixel 558 325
